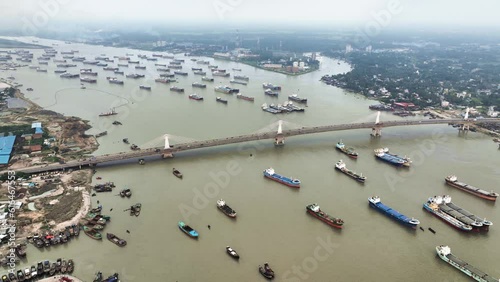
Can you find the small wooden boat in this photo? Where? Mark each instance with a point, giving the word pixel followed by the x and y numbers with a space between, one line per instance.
pixel 46 266
pixel 12 277
pixel 177 173
pixel 5 278
pixel 39 268
pixel 20 275
pixel 53 269
pixel 141 161
pixel 96 210
pixel 266 271
pixel 232 253
pixel 98 178
pixel 135 209
pixel 125 193
pixel 64 266
pixel 58 264
pixel 98 227
pixel 94 234
pixel 112 278
pixel 71 266
pixel 98 277
pixel 114 239
pixel 125 140
pixel 188 230
pixel 21 250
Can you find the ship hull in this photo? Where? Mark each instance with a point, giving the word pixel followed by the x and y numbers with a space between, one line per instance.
pixel 361 180
pixel 454 184
pixel 427 208
pixel 281 181
pixel 324 219
pixel 389 161
pixel 405 223
pixel 352 156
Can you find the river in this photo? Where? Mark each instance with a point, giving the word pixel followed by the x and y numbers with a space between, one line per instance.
pixel 272 224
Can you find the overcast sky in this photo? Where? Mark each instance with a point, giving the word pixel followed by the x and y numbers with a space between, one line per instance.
pixel 359 12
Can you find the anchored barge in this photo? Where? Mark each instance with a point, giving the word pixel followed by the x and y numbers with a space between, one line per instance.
pixel 222 206
pixel 340 165
pixel 348 151
pixel 444 252
pixel 243 97
pixel 383 154
pixel 377 204
pixel 269 173
pixel 477 223
pixel 315 210
pixel 452 180
pixel 432 206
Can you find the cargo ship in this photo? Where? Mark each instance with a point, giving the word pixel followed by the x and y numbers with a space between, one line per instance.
pixel 220 73
pixel 315 210
pixel 163 69
pixel 140 67
pixel 226 89
pixel 383 154
pixel 84 79
pixel 114 80
pixel 199 85
pixel 296 98
pixel 162 80
pixel 477 223
pixel 242 77
pixel 196 69
pixel 377 204
pixel 269 173
pixel 207 79
pixel 271 93
pixel 444 252
pixel 176 89
pixel 200 72
pixel 243 97
pixel 340 165
pixel 223 207
pixel 219 99
pixel 111 113
pixel 348 151
pixel 238 82
pixel 452 180
pixel 110 69
pixel 271 86
pixel 195 97
pixel 144 87
pixel 180 73
pixel 432 206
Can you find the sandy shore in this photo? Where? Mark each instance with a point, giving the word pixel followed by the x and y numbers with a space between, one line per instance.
pixel 84 209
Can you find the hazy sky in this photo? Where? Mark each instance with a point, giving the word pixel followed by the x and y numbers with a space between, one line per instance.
pixel 359 12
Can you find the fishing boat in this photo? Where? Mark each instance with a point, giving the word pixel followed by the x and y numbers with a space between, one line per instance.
pixel 452 180
pixel 232 252
pixel 444 252
pixel 20 275
pixel 266 271
pixel 64 266
pixel 114 239
pixel 94 234
pixel 348 151
pixel 125 193
pixel 383 154
pixel 135 209
pixel 340 165
pixel 291 182
pixel 71 266
pixel 53 269
pixel 377 204
pixel 188 230
pixel 177 173
pixel 12 277
pixel 219 99
pixel 223 207
pixel 316 211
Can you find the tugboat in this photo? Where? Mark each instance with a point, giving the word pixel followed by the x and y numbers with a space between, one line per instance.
pixel 271 174
pixel 177 173
pixel 232 252
pixel 377 204
pixel 221 205
pixel 266 271
pixel 219 99
pixel 114 239
pixel 340 165
pixel 444 252
pixel 348 151
pixel 452 180
pixel 315 210
pixel 188 230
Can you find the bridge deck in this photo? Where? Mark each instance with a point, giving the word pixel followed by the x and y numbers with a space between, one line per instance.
pixel 239 139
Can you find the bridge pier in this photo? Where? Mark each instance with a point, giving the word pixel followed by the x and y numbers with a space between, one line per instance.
pixel 279 140
pixel 376 131
pixel 167 154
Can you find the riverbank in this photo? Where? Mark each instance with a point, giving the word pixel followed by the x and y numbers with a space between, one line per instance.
pixel 256 65
pixel 48 202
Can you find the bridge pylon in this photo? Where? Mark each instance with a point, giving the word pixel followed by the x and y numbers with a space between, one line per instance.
pixel 279 140
pixel 377 129
pixel 167 151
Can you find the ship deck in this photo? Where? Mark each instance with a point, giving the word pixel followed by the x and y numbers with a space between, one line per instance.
pixel 392 212
pixel 456 214
pixel 465 212
pixel 472 188
pixel 472 269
